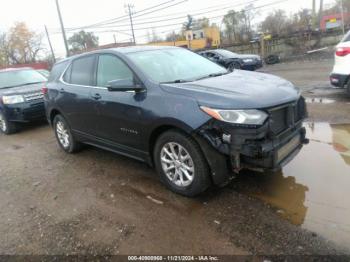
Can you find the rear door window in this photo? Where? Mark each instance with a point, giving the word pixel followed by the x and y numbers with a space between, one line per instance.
pixel 81 71
pixel 111 68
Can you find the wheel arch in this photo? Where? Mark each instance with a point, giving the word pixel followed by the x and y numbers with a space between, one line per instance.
pixel 217 162
pixel 54 112
pixel 163 127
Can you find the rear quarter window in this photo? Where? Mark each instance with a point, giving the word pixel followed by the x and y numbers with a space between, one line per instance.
pixel 57 70
pixel 82 70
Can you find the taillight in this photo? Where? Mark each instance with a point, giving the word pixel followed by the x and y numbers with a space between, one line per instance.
pixel 342 51
pixel 44 90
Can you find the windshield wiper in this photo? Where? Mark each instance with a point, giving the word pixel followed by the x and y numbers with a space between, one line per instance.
pixel 213 75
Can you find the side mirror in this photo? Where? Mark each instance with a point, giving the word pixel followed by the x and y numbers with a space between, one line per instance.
pixel 124 85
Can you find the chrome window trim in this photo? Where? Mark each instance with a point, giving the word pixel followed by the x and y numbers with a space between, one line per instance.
pixel 69 84
pixel 94 87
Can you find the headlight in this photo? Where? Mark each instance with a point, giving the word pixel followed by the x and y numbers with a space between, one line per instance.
pixel 248 60
pixel 15 99
pixel 245 117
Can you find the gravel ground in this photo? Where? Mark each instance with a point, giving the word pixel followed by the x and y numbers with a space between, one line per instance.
pixel 96 202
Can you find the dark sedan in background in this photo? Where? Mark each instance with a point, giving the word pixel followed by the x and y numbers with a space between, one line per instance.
pixel 232 60
pixel 21 99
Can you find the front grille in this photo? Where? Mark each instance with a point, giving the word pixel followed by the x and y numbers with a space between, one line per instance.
pixel 278 121
pixel 36 111
pixel 284 117
pixel 33 96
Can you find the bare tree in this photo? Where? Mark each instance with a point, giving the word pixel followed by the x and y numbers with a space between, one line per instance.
pixel 23 45
pixel 275 23
pixel 230 21
pixel 239 24
pixel 3 50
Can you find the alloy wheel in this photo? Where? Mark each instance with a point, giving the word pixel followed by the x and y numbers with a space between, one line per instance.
pixel 177 164
pixel 62 134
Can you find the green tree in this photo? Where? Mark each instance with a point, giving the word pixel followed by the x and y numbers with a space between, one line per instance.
pixel 188 25
pixel 83 41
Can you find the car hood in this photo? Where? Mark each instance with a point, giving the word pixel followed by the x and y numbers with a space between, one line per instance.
pixel 18 90
pixel 238 90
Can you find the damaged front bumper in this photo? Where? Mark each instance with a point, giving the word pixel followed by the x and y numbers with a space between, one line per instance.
pixel 235 147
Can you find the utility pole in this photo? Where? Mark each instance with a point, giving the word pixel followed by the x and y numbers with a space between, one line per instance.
pixel 48 39
pixel 342 16
pixel 314 23
pixel 262 46
pixel 129 6
pixel 320 12
pixel 62 28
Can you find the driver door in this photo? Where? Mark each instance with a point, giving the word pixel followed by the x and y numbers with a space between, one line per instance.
pixel 116 113
pixel 214 57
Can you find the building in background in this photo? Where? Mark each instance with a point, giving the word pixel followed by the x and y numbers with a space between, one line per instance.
pixel 334 21
pixel 208 37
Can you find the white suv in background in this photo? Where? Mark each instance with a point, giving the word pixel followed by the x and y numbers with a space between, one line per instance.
pixel 340 75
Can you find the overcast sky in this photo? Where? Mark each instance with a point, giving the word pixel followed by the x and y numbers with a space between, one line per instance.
pixel 77 13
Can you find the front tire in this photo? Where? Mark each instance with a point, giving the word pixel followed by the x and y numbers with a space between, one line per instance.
pixel 181 164
pixel 7 127
pixel 64 135
pixel 233 66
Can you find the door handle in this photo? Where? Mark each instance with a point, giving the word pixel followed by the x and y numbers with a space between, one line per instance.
pixel 96 96
pixel 61 90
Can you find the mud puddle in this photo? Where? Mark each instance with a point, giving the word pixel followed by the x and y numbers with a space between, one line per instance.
pixel 313 190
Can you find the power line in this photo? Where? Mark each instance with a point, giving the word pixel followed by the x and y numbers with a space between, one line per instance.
pixel 177 13
pixel 125 17
pixel 176 24
pixel 179 17
pixel 213 17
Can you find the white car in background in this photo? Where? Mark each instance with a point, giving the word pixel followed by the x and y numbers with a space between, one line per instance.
pixel 340 75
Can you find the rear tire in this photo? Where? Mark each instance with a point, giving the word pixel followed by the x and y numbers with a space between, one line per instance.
pixel 181 164
pixel 64 135
pixel 7 127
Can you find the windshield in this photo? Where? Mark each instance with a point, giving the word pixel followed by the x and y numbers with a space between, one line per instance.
pixel 19 77
pixel 174 65
pixel 226 53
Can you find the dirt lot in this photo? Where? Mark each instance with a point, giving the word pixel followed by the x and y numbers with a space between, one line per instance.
pixel 96 202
